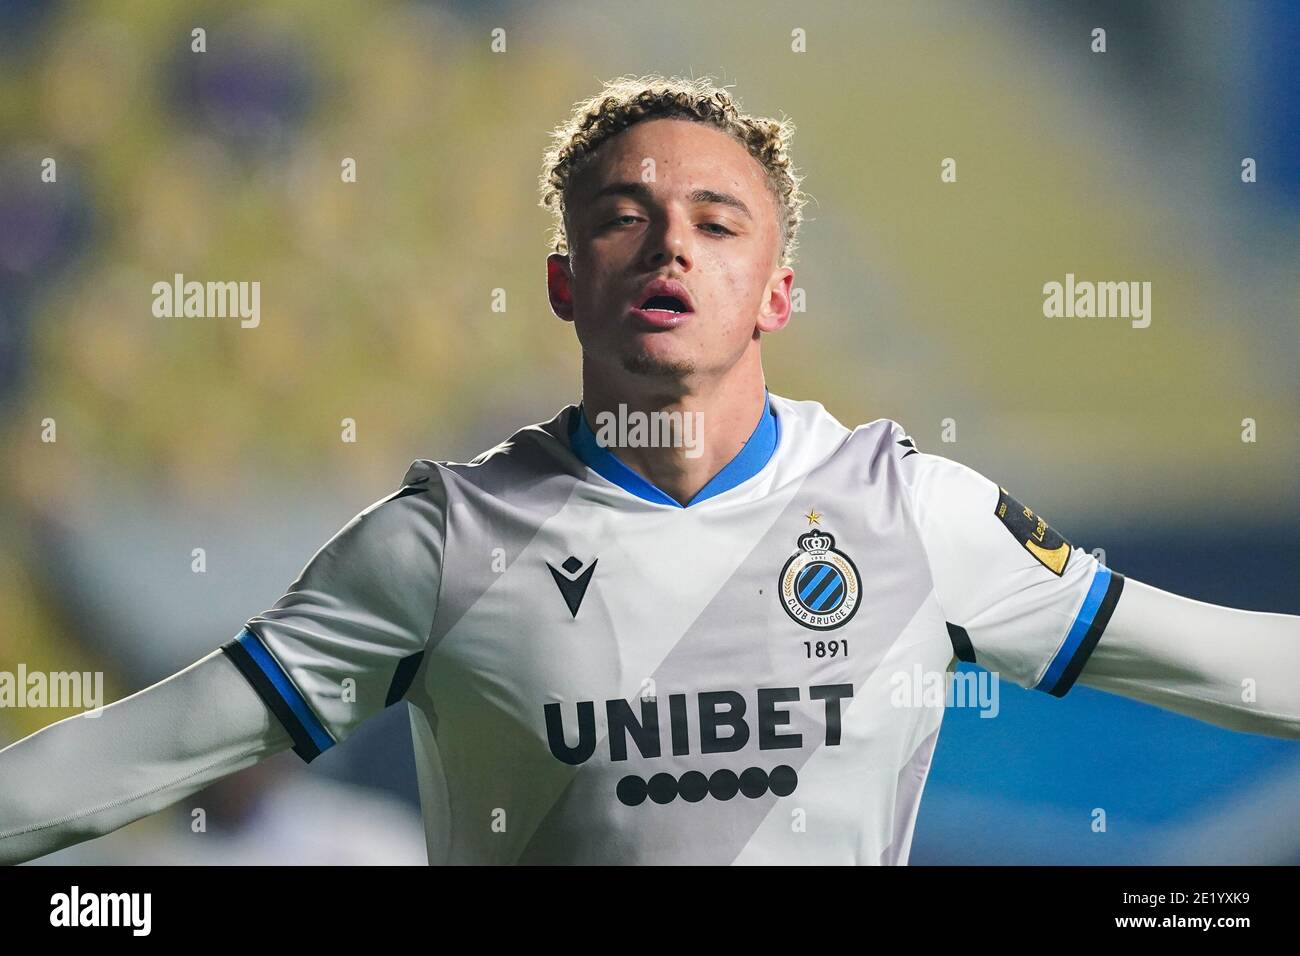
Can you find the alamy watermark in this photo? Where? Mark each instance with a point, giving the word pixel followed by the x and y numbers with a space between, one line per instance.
pixel 79 690
pixel 627 429
pixel 1098 300
pixel 129 910
pixel 931 688
pixel 208 300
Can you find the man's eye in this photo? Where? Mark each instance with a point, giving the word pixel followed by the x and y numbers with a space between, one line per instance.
pixel 618 220
pixel 717 225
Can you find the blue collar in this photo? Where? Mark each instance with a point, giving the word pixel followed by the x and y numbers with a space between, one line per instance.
pixel 749 461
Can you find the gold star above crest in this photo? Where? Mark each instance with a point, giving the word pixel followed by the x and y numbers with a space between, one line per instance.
pixel 813 516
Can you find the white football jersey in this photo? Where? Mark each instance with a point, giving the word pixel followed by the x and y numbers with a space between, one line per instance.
pixel 597 674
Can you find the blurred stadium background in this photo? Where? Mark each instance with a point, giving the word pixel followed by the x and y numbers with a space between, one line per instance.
pixel 924 303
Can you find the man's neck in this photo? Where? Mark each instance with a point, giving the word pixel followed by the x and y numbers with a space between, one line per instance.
pixel 722 416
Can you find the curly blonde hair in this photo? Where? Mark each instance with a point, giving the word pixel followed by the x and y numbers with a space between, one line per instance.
pixel 628 100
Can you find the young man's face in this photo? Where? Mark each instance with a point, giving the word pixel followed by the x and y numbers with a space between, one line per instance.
pixel 707 219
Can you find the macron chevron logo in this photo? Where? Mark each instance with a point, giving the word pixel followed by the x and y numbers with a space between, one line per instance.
pixel 572 581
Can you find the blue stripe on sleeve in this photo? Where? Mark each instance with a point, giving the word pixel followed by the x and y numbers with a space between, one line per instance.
pixel 296 703
pixel 1083 622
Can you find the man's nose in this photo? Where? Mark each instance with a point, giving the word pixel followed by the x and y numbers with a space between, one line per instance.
pixel 668 241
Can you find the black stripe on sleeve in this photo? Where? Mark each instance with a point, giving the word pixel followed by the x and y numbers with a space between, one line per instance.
pixel 303 745
pixel 402 678
pixel 961 645
pixel 1089 642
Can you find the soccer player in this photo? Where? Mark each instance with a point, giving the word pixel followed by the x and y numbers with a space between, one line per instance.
pixel 664 625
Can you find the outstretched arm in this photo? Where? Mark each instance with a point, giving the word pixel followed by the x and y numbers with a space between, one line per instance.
pixel 88 775
pixel 1022 601
pixel 1238 669
pixel 357 618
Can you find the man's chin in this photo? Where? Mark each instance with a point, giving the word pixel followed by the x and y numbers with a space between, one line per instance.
pixel 658 366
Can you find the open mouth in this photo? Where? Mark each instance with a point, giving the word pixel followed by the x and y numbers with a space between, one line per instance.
pixel 664 303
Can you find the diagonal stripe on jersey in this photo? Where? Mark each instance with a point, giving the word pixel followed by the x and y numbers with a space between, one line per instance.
pixel 718 830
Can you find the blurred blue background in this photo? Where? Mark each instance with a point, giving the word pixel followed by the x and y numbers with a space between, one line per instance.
pixel 376 305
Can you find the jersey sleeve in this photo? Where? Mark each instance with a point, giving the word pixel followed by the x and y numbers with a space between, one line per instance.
pixel 1018 597
pixel 347 638
pixel 88 775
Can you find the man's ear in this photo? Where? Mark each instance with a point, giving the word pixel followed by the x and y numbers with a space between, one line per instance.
pixel 559 285
pixel 775 310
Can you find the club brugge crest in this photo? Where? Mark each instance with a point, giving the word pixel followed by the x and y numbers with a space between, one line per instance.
pixel 820 587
